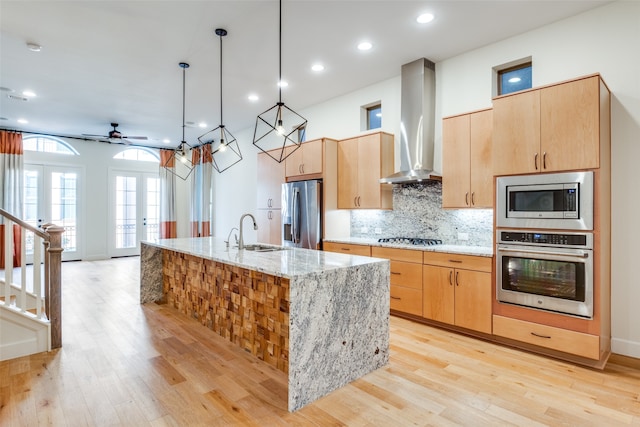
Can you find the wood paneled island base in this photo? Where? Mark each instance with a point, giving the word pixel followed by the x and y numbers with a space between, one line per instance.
pixel 320 318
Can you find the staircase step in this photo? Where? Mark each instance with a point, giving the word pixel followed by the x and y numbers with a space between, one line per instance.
pixel 12 299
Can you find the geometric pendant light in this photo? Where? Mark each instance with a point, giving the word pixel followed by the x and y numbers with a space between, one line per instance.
pixel 226 152
pixel 179 163
pixel 277 131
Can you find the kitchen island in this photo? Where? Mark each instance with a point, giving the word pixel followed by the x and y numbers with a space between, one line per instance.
pixel 321 318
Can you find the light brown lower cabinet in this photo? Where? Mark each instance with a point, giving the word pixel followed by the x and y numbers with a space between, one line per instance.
pixel 347 248
pixel 457 296
pixel 405 278
pixel 558 339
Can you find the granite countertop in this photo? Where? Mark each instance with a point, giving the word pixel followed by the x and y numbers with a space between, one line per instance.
pixel 454 249
pixel 290 262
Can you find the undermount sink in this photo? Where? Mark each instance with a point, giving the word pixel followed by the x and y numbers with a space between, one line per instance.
pixel 263 248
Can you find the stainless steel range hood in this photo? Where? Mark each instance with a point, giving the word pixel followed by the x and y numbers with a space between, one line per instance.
pixel 417 123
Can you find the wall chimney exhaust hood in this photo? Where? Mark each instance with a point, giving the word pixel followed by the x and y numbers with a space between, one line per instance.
pixel 417 123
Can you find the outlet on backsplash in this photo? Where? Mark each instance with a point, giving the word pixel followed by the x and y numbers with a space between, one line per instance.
pixel 378 230
pixel 463 236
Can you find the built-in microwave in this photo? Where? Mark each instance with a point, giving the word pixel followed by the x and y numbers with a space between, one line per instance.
pixel 556 200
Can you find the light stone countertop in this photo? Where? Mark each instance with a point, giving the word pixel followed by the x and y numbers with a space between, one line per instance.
pixel 454 249
pixel 290 262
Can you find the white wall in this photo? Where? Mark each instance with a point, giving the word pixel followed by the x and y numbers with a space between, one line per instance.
pixel 603 40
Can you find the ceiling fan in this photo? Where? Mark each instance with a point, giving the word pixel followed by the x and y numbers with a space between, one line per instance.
pixel 115 136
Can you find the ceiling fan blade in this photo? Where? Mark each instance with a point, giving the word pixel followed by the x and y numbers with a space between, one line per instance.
pixel 144 138
pixel 95 136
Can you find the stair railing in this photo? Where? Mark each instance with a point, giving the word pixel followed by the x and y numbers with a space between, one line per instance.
pixel 47 249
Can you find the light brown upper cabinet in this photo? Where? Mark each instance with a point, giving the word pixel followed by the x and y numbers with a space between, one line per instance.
pixel 362 161
pixel 467 173
pixel 306 160
pixel 269 202
pixel 270 179
pixel 554 128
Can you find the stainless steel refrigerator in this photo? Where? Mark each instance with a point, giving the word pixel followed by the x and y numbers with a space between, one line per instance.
pixel 301 214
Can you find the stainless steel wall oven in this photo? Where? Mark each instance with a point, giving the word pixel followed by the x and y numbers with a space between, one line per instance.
pixel 545 270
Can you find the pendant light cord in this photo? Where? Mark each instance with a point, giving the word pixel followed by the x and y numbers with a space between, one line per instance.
pixel 184 73
pixel 280 56
pixel 221 122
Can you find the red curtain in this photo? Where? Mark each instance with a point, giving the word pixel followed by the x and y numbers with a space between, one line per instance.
pixel 168 226
pixel 11 168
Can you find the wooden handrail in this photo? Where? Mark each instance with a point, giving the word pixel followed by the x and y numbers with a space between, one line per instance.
pixel 23 224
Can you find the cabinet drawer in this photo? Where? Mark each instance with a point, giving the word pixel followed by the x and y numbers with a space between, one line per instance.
pixel 406 274
pixel 407 255
pixel 347 248
pixel 468 262
pixel 406 300
pixel 572 342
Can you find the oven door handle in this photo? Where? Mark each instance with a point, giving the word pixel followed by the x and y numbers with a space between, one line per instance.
pixel 577 254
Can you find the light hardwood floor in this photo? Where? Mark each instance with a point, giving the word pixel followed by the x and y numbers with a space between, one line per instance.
pixel 128 364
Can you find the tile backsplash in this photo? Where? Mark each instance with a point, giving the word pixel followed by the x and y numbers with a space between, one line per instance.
pixel 417 212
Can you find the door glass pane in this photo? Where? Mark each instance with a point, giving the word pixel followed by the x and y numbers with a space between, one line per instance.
pixel 30 200
pixel 64 206
pixel 125 212
pixel 152 214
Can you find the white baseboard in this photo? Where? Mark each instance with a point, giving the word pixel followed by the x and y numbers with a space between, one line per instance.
pixel 625 347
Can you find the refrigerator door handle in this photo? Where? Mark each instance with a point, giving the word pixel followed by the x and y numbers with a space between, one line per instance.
pixel 295 216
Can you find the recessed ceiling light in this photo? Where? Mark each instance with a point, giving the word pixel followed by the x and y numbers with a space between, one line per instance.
pixel 317 67
pixel 166 140
pixel 364 46
pixel 514 79
pixel 253 97
pixel 23 121
pixel 202 125
pixel 29 93
pixel 425 18
pixel 283 83
pixel 34 47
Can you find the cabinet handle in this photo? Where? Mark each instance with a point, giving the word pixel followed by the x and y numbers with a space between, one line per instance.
pixel 466 198
pixel 473 194
pixel 392 297
pixel 300 168
pixel 457 261
pixel 544 160
pixel 345 249
pixel 395 272
pixel 535 161
pixel 457 284
pixel 451 277
pixel 358 201
pixel 541 336
pixel 355 201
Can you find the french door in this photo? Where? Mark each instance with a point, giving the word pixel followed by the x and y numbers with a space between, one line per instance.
pixel 134 213
pixel 52 195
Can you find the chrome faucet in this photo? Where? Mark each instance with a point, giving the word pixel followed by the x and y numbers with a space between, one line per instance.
pixel 229 237
pixel 255 227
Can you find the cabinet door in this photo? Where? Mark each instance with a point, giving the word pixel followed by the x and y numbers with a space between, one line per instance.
pixel 293 163
pixel 456 162
pixel 473 300
pixel 369 161
pixel 347 173
pixel 438 293
pixel 312 157
pixel 481 176
pixel 347 248
pixel 516 134
pixel 570 117
pixel 269 224
pixel 270 178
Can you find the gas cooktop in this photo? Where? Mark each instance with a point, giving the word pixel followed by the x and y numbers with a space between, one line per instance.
pixel 410 241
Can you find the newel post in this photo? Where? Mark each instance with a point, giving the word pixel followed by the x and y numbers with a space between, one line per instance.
pixel 54 288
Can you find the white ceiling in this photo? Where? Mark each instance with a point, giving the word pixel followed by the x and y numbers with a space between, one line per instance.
pixel 117 61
